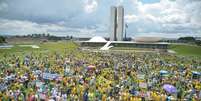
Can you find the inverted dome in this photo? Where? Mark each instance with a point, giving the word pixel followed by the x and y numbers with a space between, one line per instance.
pixel 147 39
pixel 97 39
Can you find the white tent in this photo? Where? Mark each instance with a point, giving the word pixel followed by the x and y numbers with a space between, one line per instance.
pixel 97 39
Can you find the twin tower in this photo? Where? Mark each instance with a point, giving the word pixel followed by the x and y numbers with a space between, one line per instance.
pixel 117 23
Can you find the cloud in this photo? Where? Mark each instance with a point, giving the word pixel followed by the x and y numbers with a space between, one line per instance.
pixel 91 17
pixel 90 6
pixel 166 16
pixel 130 18
pixel 42 10
pixel 119 2
pixel 27 27
pixel 18 27
pixel 3 6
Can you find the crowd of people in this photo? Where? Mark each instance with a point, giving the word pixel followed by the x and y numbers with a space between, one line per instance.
pixel 99 76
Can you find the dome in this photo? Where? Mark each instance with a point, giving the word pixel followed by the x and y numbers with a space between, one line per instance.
pixel 147 39
pixel 97 39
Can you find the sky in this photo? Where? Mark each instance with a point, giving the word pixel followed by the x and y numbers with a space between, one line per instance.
pixel 87 18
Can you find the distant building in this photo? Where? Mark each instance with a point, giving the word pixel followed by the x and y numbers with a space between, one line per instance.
pixel 143 45
pixel 117 23
pixel 120 23
pixel 113 24
pixel 198 38
pixel 172 40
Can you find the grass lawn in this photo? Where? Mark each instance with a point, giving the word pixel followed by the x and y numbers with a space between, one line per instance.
pixel 184 50
pixel 49 47
pixel 69 46
pixel 187 50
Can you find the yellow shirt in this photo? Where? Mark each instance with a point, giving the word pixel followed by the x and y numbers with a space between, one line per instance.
pixel 104 97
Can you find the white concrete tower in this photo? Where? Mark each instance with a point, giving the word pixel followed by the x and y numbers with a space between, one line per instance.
pixel 113 23
pixel 120 23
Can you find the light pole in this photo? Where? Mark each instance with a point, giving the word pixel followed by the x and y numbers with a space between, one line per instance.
pixel 126 26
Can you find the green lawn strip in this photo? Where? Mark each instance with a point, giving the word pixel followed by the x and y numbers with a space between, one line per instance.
pixel 187 50
pixel 49 47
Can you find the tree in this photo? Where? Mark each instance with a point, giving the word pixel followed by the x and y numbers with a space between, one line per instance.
pixel 198 42
pixel 188 39
pixel 2 39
